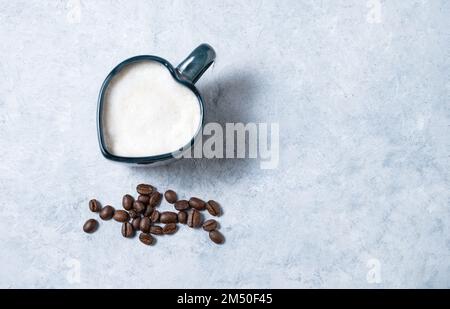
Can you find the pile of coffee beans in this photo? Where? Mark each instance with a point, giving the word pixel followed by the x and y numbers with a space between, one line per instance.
pixel 141 215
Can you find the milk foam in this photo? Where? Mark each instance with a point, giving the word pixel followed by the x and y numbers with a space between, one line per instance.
pixel 146 112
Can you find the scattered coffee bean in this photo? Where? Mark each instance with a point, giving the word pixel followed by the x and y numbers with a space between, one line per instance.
pixel 171 196
pixel 216 237
pixel 148 211
pixel 144 215
pixel 155 199
pixel 94 205
pixel 170 228
pixel 136 223
pixel 210 225
pixel 133 214
pixel 156 229
pixel 213 208
pixel 182 217
pixel 139 207
pixel 155 216
pixel 121 216
pixel 168 217
pixel 194 219
pixel 144 199
pixel 107 213
pixel 197 203
pixel 181 205
pixel 144 189
pixel 90 226
pixel 145 225
pixel 127 202
pixel 127 230
pixel 146 239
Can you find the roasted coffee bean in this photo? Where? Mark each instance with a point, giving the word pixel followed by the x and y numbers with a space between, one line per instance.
pixel 197 203
pixel 144 189
pixel 170 228
pixel 210 225
pixel 127 202
pixel 213 208
pixel 155 199
pixel 168 217
pixel 194 219
pixel 144 199
pixel 121 216
pixel 107 212
pixel 171 196
pixel 156 229
pixel 146 239
pixel 148 211
pixel 139 207
pixel 133 214
pixel 216 237
pixel 145 225
pixel 127 230
pixel 90 226
pixel 182 217
pixel 181 205
pixel 136 223
pixel 94 205
pixel 155 216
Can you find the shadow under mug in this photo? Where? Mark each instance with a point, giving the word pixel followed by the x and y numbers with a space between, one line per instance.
pixel 186 73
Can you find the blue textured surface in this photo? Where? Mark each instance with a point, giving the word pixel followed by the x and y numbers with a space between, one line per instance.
pixel 363 180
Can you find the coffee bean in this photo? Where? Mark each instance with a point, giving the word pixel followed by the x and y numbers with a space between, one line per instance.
pixel 127 201
pixel 139 207
pixel 197 203
pixel 213 208
pixel 155 216
pixel 170 228
pixel 90 226
pixel 210 225
pixel 181 205
pixel 171 196
pixel 146 239
pixel 127 230
pixel 155 199
pixel 168 217
pixel 145 225
pixel 194 219
pixel 156 229
pixel 182 217
pixel 136 223
pixel 144 189
pixel 121 216
pixel 148 211
pixel 216 237
pixel 107 212
pixel 133 214
pixel 94 205
pixel 144 199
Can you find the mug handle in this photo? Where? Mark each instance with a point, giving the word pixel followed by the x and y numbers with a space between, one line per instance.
pixel 193 67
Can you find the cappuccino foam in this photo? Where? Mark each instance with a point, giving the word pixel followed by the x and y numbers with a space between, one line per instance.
pixel 146 112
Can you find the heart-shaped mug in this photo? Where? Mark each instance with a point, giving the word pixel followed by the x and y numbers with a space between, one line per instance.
pixel 185 74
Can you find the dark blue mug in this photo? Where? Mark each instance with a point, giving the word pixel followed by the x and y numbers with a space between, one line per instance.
pixel 186 73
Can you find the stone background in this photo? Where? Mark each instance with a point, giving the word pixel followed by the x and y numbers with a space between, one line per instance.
pixel 361 194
